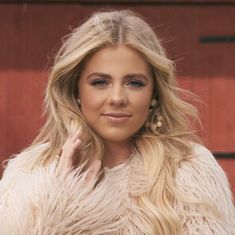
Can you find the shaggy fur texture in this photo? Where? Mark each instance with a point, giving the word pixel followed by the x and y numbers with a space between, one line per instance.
pixel 46 201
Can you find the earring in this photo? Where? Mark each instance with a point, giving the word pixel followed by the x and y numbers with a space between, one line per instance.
pixel 79 101
pixel 153 103
pixel 159 120
pixel 156 121
pixel 154 125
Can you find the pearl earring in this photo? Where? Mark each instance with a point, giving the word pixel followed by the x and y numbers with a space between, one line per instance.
pixel 154 125
pixel 79 101
pixel 157 120
pixel 153 103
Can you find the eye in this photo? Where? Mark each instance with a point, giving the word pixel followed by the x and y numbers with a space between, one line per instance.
pixel 99 82
pixel 135 83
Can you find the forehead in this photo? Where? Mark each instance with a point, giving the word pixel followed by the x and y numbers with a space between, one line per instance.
pixel 115 60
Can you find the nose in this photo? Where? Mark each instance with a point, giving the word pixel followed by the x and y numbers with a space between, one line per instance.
pixel 118 96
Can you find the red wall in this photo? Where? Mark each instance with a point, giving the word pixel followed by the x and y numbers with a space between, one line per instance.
pixel 31 33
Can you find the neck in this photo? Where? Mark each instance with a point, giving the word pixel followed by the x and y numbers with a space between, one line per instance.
pixel 116 153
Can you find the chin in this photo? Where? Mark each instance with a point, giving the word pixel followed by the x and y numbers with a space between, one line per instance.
pixel 116 135
pixel 115 138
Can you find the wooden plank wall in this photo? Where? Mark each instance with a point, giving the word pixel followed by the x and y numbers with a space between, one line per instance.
pixel 31 33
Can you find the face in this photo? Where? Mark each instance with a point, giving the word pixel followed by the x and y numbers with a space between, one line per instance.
pixel 115 90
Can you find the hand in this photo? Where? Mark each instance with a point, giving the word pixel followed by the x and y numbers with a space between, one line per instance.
pixel 70 156
pixel 70 151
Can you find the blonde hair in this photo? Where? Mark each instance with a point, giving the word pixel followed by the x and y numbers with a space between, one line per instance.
pixel 162 150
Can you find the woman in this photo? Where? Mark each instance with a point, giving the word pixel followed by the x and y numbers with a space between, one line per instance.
pixel 116 155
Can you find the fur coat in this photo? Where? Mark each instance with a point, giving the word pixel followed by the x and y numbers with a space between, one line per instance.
pixel 47 202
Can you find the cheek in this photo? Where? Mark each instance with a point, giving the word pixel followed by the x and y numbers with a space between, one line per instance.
pixel 142 107
pixel 88 102
pixel 89 107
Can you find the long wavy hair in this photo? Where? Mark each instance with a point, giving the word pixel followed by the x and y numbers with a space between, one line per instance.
pixel 163 149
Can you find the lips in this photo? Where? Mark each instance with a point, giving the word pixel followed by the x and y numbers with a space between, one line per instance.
pixel 116 118
pixel 117 115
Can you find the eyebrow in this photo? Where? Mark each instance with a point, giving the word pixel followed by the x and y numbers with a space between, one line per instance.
pixel 127 76
pixel 139 75
pixel 99 74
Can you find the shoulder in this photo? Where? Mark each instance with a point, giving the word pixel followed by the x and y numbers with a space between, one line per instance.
pixel 19 162
pixel 202 154
pixel 201 168
pixel 203 178
pixel 200 163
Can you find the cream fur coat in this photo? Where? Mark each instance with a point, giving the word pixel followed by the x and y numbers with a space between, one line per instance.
pixel 46 202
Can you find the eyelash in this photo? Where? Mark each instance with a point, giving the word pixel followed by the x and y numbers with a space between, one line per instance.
pixel 103 82
pixel 136 83
pixel 99 82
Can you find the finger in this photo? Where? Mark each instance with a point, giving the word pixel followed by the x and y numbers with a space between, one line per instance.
pixel 71 139
pixel 69 153
pixel 93 171
pixel 76 144
pixel 67 143
pixel 70 136
pixel 77 135
pixel 75 155
pixel 72 148
pixel 72 151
